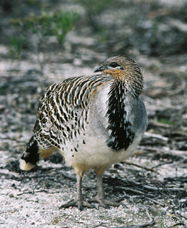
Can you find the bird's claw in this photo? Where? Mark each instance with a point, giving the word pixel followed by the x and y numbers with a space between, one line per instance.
pixel 105 203
pixel 80 204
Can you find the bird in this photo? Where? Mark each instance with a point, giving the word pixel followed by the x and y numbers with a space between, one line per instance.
pixel 93 120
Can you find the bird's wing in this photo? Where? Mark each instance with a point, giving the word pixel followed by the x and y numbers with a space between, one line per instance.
pixel 63 108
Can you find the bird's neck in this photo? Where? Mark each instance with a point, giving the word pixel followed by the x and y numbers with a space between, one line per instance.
pixel 119 126
pixel 130 81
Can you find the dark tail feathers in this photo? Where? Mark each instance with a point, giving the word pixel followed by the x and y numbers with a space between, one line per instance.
pixel 31 156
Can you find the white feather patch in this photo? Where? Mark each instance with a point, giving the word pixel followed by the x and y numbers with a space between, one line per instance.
pixel 26 166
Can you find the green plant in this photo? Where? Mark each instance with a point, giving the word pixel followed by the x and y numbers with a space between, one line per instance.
pixel 16 45
pixel 43 27
pixel 165 121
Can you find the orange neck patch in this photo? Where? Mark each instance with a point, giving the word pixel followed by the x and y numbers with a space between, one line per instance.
pixel 116 73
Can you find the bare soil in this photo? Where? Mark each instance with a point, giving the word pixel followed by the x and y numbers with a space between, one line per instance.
pixel 152 185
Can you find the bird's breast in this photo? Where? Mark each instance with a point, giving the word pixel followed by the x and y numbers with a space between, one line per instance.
pixel 92 151
pixel 92 147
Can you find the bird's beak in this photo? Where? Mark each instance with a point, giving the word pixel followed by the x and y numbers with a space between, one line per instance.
pixel 100 68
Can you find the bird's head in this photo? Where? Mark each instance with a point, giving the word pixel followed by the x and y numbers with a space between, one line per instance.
pixel 123 69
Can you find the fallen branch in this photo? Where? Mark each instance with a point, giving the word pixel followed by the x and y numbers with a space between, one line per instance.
pixel 139 166
pixel 179 153
pixel 177 224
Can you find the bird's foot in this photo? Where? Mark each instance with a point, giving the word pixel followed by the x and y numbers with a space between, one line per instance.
pixel 80 204
pixel 105 203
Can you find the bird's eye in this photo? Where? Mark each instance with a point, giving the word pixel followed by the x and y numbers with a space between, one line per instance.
pixel 114 64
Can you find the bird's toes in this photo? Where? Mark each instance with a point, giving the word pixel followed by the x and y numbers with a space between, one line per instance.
pixel 106 203
pixel 80 204
pixel 68 204
pixel 102 203
pixel 111 203
pixel 88 205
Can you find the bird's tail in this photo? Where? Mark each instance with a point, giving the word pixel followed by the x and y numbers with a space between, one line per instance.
pixel 31 155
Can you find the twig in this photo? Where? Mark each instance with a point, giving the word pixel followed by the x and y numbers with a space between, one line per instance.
pixel 161 164
pixel 139 166
pixel 182 216
pixel 152 188
pixel 164 189
pixel 142 193
pixel 152 221
pixel 178 153
pixel 157 136
pixel 132 190
pixel 177 224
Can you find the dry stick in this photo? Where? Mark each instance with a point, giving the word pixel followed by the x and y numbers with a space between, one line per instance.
pixel 142 193
pixel 178 153
pixel 151 188
pixel 132 190
pixel 139 166
pixel 171 162
pixel 165 189
pixel 152 221
pixel 161 164
pixel 177 224
pixel 182 216
pixel 154 201
pixel 149 135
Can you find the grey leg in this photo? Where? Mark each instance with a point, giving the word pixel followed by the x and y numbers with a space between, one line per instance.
pixel 79 202
pixel 79 192
pixel 100 191
pixel 100 194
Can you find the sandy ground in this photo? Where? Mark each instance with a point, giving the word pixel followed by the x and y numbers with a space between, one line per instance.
pixel 34 198
pixel 152 185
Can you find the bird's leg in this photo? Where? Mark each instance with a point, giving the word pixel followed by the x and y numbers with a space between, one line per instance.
pixel 78 201
pixel 100 191
pixel 100 197
pixel 79 192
